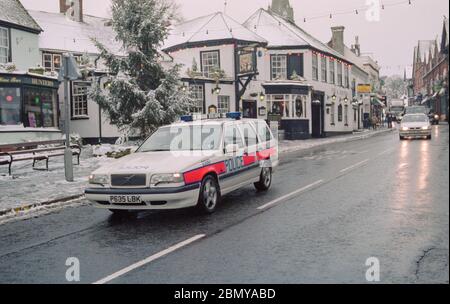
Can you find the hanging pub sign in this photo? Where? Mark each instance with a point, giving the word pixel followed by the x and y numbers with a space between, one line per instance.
pixel 247 62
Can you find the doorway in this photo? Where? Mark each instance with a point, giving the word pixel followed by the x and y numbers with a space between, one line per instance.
pixel 317 115
pixel 249 109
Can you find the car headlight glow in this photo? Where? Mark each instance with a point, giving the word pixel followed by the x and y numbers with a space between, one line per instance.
pixel 167 178
pixel 405 128
pixel 436 117
pixel 99 179
pixel 426 128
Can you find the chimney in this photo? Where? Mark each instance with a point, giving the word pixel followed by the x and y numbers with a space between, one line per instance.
pixel 357 47
pixel 72 8
pixel 337 41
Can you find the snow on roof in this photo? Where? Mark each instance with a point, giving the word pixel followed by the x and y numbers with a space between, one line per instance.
pixel 217 26
pixel 62 34
pixel 12 11
pixel 279 32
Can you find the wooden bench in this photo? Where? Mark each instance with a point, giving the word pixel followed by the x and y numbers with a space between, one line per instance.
pixel 30 151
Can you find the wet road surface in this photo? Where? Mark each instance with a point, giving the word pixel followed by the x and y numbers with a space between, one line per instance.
pixel 328 211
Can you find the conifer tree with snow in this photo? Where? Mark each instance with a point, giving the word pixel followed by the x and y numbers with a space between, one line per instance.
pixel 141 95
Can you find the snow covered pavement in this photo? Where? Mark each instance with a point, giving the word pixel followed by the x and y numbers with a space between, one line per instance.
pixel 28 188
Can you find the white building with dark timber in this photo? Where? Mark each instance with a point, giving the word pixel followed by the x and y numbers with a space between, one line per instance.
pixel 71 31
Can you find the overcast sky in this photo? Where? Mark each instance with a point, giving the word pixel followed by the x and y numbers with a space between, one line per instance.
pixel 391 40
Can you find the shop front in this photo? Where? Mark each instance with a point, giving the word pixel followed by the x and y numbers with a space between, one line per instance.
pixel 28 108
pixel 290 102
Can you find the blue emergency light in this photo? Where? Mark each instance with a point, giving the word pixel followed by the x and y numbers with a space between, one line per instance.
pixel 234 115
pixel 187 118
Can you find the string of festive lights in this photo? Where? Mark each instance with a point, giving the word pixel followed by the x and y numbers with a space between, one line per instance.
pixel 356 10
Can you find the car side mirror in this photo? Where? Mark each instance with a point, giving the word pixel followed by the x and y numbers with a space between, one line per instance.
pixel 231 149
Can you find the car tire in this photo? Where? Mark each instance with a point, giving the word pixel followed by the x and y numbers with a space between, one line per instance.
pixel 265 179
pixel 209 196
pixel 402 138
pixel 429 137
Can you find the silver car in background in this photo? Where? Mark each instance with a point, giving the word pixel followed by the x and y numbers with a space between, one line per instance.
pixel 415 126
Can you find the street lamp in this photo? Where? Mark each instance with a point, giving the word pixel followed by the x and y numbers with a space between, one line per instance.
pixel 262 96
pixel 333 97
pixel 216 90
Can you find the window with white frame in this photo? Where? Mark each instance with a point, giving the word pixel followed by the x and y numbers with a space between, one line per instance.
pixel 278 67
pixel 80 91
pixel 51 62
pixel 315 66
pixel 223 104
pixel 196 91
pixel 323 67
pixel 210 62
pixel 4 45
pixel 332 77
pixel 339 74
pixel 347 76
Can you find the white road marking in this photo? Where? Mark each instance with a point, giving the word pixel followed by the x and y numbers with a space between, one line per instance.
pixel 354 166
pixel 149 259
pixel 265 206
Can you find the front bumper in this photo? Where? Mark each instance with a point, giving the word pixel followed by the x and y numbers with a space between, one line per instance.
pixel 415 133
pixel 151 198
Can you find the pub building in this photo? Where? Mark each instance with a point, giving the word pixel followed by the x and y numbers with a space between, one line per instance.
pixel 28 107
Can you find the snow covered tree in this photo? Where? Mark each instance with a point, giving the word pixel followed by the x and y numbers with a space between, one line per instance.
pixel 141 95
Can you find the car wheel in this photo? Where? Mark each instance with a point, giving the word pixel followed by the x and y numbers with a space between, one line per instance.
pixel 402 138
pixel 209 196
pixel 265 179
pixel 429 137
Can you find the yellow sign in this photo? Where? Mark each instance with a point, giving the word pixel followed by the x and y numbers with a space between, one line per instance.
pixel 364 88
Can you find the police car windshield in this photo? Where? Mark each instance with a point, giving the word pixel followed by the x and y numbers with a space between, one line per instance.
pixel 183 138
pixel 415 118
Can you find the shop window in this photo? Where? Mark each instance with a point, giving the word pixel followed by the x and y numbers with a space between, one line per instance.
pixel 49 108
pixel 51 62
pixel 10 106
pixel 223 104
pixel 32 108
pixel 196 92
pixel 323 66
pixel 80 92
pixel 4 45
pixel 340 113
pixel 278 67
pixel 210 62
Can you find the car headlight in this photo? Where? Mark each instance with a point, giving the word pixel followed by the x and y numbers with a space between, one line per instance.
pixel 436 117
pixel 169 178
pixel 99 179
pixel 426 128
pixel 405 128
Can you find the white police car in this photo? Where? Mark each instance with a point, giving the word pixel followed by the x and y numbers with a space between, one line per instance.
pixel 186 164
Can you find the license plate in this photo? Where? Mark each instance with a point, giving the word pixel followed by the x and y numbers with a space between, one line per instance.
pixel 125 199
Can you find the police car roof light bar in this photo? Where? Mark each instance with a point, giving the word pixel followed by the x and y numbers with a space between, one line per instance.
pixel 234 115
